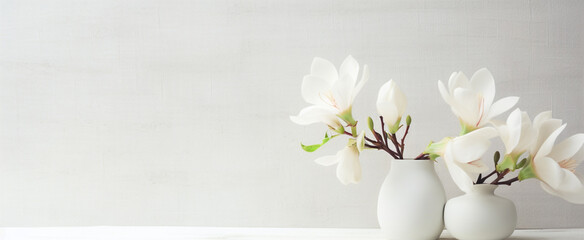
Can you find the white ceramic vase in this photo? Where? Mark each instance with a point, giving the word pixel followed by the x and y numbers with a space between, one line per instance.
pixel 480 215
pixel 411 201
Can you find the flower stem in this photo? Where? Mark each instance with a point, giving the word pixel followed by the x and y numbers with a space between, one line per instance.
pixel 483 179
pixel 508 182
pixel 500 176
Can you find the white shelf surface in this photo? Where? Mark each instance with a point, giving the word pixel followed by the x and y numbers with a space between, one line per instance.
pixel 191 233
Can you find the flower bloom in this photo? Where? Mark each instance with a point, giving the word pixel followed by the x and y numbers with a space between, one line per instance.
pixel 348 165
pixel 555 166
pixel 518 136
pixel 329 92
pixel 391 104
pixel 462 156
pixel 472 101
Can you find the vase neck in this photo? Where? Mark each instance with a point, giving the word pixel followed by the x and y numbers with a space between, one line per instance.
pixel 488 189
pixel 409 165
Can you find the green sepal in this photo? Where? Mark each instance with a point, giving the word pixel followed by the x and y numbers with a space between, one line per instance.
pixel 312 148
pixel 436 149
pixel 393 129
pixel 509 162
pixel 340 129
pixel 408 120
pixel 527 172
pixel 347 116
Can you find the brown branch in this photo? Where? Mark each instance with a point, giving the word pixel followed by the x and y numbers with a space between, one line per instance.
pixel 383 130
pixel 508 182
pixel 482 180
pixel 500 176
pixel 404 138
pixel 396 144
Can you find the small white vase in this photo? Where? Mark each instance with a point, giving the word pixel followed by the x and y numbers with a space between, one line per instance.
pixel 480 215
pixel 411 201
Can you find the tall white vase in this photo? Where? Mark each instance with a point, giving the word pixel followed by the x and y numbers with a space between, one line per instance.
pixel 411 201
pixel 480 215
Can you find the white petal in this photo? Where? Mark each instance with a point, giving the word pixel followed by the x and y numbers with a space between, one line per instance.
pixel 473 145
pixel 576 196
pixel 399 99
pixel 444 93
pixel 548 171
pixel 385 106
pixel 482 81
pixel 567 148
pixel 469 106
pixel 349 167
pixel 349 67
pixel 501 106
pixel 547 145
pixel 343 92
pixel 382 95
pixel 327 160
pixel 324 69
pixel 364 78
pixel 514 130
pixel 314 89
pixel 541 118
pixel 361 141
pixel 571 182
pixel 389 112
pixel 473 168
pixel 544 130
pixel 315 114
pixel 458 175
pixel 458 80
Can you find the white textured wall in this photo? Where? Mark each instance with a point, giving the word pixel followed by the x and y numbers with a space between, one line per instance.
pixel 176 112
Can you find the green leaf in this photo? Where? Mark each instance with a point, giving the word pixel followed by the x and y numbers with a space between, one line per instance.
pixel 527 172
pixel 312 148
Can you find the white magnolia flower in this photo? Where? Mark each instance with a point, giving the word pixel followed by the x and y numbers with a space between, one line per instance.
pixel 555 166
pixel 348 168
pixel 544 126
pixel 462 156
pixel 472 101
pixel 518 136
pixel 391 103
pixel 331 93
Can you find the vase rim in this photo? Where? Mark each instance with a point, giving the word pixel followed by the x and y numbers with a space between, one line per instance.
pixel 483 187
pixel 412 159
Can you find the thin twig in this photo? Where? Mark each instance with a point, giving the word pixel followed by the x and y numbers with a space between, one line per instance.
pixel 508 182
pixel 383 130
pixel 404 137
pixel 482 180
pixel 500 176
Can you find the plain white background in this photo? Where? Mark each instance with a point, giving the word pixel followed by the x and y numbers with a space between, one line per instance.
pixel 177 112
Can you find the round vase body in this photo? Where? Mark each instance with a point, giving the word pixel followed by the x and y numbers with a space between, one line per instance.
pixel 480 215
pixel 411 201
